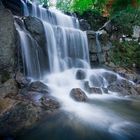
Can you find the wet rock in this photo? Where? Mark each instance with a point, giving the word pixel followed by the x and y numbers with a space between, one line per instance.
pixel 118 89
pixel 105 90
pixel 84 25
pixel 96 81
pixel 15 6
pixel 91 90
pixel 20 116
pixel 123 87
pixel 38 86
pixel 104 37
pixel 78 95
pixel 5 104
pixel 35 27
pixel 99 47
pixel 80 74
pixel 7 44
pixel 92 41
pixel 49 103
pixel 21 79
pixel 137 88
pixel 9 88
pixel 110 77
pixel 34 92
pixel 30 96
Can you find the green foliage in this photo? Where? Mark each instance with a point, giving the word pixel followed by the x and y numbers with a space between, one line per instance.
pixel 120 5
pixel 44 1
pixel 81 6
pixel 126 19
pixel 64 5
pixel 126 54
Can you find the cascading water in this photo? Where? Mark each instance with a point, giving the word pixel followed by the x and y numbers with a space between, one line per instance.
pixel 67 49
pixel 66 45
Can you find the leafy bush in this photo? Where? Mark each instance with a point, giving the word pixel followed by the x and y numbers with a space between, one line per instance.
pixel 81 6
pixel 126 19
pixel 120 5
pixel 126 54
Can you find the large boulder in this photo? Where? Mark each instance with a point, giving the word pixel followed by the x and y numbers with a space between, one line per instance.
pixel 22 115
pixel 78 95
pixel 38 86
pixel 7 44
pixel 96 80
pixel 49 103
pixel 21 80
pixel 123 88
pixel 35 27
pixel 9 88
pixel 6 104
pixel 92 90
pixel 110 77
pixel 34 92
pixel 80 74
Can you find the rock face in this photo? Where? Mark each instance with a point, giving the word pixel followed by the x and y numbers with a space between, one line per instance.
pixel 7 44
pixel 84 25
pixel 21 115
pixel 22 106
pixel 14 5
pixel 34 92
pixel 21 79
pixel 78 95
pixel 6 104
pixel 99 47
pixel 36 29
pixel 9 88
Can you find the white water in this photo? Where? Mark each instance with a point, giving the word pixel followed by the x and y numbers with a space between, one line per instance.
pixel 67 49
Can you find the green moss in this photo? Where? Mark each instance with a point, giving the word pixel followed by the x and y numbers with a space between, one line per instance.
pixel 126 54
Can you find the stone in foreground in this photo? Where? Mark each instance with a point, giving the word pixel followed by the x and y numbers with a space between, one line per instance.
pixel 78 95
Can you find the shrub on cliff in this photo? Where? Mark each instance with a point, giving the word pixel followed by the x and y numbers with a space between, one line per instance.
pixel 126 54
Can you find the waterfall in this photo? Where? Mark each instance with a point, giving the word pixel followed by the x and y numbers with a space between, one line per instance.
pixel 57 64
pixel 66 44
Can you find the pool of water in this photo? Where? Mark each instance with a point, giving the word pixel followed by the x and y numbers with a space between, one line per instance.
pixel 110 118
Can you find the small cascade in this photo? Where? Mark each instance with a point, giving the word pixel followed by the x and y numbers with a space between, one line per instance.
pixel 32 55
pixel 98 47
